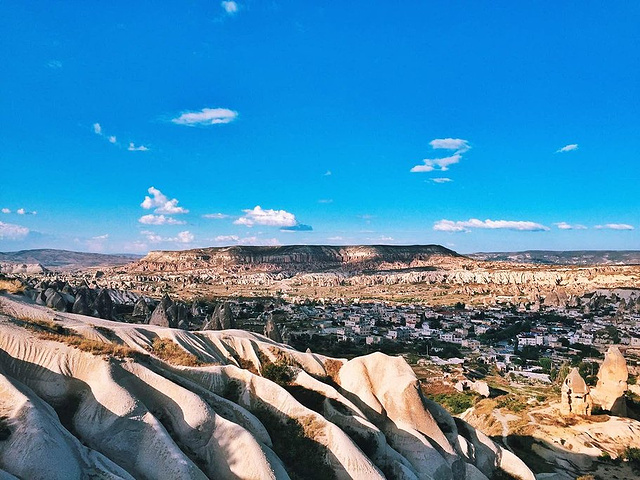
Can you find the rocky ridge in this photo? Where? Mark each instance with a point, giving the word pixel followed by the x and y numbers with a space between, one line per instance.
pixel 224 416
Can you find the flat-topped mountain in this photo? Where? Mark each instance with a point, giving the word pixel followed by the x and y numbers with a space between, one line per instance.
pixel 572 257
pixel 65 259
pixel 294 258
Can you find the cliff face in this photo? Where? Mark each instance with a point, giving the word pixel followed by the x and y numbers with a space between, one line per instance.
pixel 292 258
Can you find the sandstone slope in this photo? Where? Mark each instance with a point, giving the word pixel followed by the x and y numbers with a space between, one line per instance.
pixel 246 407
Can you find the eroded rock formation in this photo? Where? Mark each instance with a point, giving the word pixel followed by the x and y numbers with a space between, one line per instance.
pixel 576 397
pixel 128 418
pixel 612 385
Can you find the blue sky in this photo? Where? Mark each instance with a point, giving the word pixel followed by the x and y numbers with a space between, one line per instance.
pixel 482 127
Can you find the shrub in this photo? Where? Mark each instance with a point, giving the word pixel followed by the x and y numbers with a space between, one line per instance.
pixel 511 402
pixel 632 455
pixel 279 373
pixel 455 403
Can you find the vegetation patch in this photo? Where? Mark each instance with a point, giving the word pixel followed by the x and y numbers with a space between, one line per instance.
pixel 279 373
pixel 511 402
pixel 303 457
pixel 247 365
pixel 170 352
pixel 332 367
pixel 632 455
pixel 57 333
pixel 455 403
pixel 11 286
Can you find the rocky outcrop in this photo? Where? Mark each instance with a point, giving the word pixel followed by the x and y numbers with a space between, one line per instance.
pixel 141 310
pixel 221 318
pixel 103 305
pixel 164 313
pixel 612 385
pixel 576 398
pixel 21 268
pixel 291 257
pixel 151 419
pixel 271 330
pixel 81 305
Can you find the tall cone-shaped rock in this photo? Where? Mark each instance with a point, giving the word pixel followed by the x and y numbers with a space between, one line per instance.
pixel 141 309
pixel 271 330
pixel 221 318
pixel 612 383
pixel 103 306
pixel 213 323
pixel 161 315
pixel 81 306
pixel 576 396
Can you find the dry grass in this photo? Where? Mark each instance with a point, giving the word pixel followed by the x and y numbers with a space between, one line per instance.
pixel 11 286
pixel 332 367
pixel 170 352
pixel 247 365
pixel 48 330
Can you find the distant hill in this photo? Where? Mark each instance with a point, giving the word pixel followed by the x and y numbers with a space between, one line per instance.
pixel 573 257
pixel 293 258
pixel 66 260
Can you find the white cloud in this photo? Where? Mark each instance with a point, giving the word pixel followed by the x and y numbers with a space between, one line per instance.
pixel 97 129
pixel 335 239
pixel 215 216
pixel 227 238
pixel 272 218
pixel 457 144
pixel 182 237
pixel 206 116
pixel 325 200
pixel 441 180
pixel 615 226
pixel 6 210
pixel 272 242
pixel 185 237
pixel 230 7
pixel 161 203
pixel 55 64
pixel 112 139
pixel 431 164
pixel 327 173
pixel 139 148
pixel 465 226
pixel 159 220
pixel 567 226
pixel 101 237
pixel 568 148
pixel 21 211
pixel 9 231
pixel 136 246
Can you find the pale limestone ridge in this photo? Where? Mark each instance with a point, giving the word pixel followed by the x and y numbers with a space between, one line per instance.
pixel 144 418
